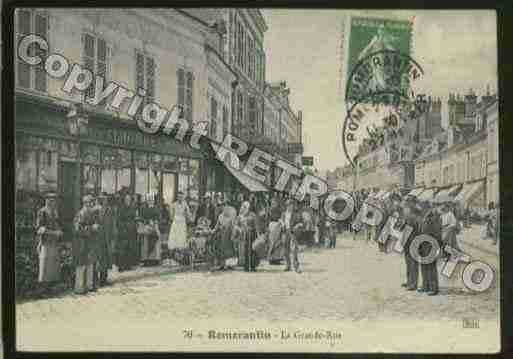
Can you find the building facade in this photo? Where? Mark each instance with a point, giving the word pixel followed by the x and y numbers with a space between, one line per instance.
pixel 462 157
pixel 174 58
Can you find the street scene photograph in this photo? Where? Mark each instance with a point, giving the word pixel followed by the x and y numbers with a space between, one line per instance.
pixel 256 180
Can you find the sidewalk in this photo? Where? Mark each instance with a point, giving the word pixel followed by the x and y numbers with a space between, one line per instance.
pixel 473 237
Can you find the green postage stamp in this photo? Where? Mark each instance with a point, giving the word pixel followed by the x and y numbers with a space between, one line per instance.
pixel 375 37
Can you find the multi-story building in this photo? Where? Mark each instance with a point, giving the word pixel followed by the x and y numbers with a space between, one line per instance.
pixel 261 114
pixel 464 161
pixel 242 49
pixel 461 160
pixel 174 57
pixel 282 127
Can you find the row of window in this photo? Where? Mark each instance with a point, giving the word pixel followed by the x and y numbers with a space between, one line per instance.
pixel 248 55
pixel 455 173
pixel 248 116
pixel 216 114
pixel 96 56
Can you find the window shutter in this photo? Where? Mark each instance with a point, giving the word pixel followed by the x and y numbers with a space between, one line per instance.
pixel 150 79
pixel 181 87
pixel 225 121
pixel 213 117
pixel 189 95
pixel 89 54
pixel 23 69
pixel 139 71
pixel 102 59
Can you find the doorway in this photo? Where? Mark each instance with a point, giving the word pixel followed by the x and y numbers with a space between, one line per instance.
pixel 68 197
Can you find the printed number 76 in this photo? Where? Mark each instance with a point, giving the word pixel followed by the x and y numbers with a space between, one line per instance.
pixel 187 333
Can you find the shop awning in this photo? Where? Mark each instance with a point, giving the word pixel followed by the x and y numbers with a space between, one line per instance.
pixel 470 191
pixel 427 195
pixel 448 192
pixel 247 181
pixel 416 192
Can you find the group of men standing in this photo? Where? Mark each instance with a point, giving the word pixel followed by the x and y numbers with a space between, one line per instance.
pixel 423 217
pixel 94 229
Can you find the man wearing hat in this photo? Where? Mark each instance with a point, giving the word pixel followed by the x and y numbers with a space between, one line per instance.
pixel 86 233
pixel 48 234
pixel 107 237
pixel 411 217
pixel 290 220
pixel 431 225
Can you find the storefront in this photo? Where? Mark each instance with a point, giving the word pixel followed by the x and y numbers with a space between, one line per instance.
pixel 100 154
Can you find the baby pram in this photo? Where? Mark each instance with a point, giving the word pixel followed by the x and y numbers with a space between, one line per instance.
pixel 201 243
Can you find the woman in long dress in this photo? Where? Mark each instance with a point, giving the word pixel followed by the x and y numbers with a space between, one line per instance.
pixel 127 252
pixel 248 226
pixel 48 235
pixel 150 252
pixel 180 214
pixel 223 236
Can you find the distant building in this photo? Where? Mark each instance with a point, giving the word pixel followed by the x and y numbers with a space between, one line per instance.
pixel 466 157
pixel 422 154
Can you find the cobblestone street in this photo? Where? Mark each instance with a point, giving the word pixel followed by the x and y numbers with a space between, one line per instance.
pixel 353 283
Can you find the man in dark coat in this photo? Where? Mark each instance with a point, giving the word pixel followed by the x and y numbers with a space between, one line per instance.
pixel 84 248
pixel 431 225
pixel 107 236
pixel 290 219
pixel 411 217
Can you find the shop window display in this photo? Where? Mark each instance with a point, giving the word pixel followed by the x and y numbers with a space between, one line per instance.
pixel 141 173
pixel 124 170
pixel 91 179
pixel 26 170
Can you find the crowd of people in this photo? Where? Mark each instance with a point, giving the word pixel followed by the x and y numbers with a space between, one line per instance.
pixel 443 220
pixel 230 230
pixel 127 231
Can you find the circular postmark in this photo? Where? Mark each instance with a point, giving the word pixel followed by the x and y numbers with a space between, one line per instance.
pixel 382 71
pixel 379 92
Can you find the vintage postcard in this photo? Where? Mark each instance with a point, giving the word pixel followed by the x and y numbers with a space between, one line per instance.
pixel 256 180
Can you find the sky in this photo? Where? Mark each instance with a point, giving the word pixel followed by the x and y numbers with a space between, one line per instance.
pixel 456 49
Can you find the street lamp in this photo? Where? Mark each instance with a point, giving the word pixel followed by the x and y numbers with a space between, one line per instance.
pixel 77 122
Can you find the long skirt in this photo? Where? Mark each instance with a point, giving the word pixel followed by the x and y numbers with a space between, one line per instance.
pixel 246 251
pixel 276 249
pixel 224 246
pixel 49 264
pixel 241 256
pixel 151 248
pixel 178 234
pixel 127 253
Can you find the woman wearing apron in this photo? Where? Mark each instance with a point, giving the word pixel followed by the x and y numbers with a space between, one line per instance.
pixel 177 240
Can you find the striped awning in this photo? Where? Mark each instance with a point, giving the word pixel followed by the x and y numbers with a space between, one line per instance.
pixel 450 192
pixel 247 181
pixel 470 191
pixel 416 192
